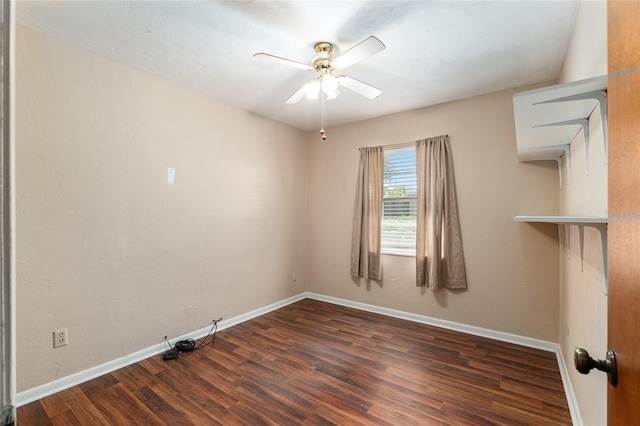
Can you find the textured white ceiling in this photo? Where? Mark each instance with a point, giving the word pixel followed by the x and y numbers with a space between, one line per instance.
pixel 437 51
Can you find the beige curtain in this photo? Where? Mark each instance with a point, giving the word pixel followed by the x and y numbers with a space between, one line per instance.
pixel 367 215
pixel 439 257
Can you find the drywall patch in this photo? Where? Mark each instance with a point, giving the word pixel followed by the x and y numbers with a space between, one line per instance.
pixel 191 309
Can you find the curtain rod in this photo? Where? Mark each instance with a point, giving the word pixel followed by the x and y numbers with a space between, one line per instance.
pixel 405 144
pixel 401 145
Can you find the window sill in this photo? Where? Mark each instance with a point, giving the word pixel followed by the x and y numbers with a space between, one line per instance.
pixel 399 253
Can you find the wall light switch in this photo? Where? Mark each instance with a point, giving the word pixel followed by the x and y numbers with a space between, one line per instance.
pixel 171 175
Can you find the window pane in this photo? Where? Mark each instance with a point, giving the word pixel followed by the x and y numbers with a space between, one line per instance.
pixel 399 202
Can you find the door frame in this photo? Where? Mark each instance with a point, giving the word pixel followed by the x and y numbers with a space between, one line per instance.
pixel 7 216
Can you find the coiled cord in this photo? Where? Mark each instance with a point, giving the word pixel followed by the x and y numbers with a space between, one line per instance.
pixel 189 345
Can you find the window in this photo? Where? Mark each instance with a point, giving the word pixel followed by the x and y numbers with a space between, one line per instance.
pixel 399 203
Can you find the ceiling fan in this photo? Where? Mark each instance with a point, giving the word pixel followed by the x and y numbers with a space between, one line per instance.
pixel 325 64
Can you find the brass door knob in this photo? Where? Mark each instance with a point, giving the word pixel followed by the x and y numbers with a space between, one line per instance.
pixel 584 363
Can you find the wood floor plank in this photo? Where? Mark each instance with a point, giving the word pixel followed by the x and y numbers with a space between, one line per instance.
pixel 314 363
pixel 198 407
pixel 64 419
pixel 76 401
pixel 33 414
pixel 118 405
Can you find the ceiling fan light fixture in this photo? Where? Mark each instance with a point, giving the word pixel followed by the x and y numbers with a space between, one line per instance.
pixel 330 86
pixel 332 95
pixel 312 89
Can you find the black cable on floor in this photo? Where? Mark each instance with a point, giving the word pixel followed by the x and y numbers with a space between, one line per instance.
pixel 189 345
pixel 214 328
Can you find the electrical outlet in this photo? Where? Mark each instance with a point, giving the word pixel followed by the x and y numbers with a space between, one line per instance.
pixel 60 338
pixel 293 277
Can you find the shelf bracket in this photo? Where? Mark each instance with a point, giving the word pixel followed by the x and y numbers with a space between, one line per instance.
pixel 567 240
pixel 567 154
pixel 581 239
pixel 567 235
pixel 602 228
pixel 582 122
pixel 556 159
pixel 599 96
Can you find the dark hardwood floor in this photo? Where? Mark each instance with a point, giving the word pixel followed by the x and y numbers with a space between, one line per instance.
pixel 316 363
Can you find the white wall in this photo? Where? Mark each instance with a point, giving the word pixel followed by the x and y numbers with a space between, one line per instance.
pixel 512 267
pixel 109 250
pixel 583 303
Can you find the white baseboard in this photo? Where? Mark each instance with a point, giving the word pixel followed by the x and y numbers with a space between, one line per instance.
pixel 63 383
pixel 450 325
pixel 576 419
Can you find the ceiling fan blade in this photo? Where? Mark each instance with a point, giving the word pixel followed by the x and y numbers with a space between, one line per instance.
pixel 359 87
pixel 368 47
pixel 299 94
pixel 283 61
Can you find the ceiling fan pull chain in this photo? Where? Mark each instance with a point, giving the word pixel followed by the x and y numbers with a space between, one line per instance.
pixel 323 97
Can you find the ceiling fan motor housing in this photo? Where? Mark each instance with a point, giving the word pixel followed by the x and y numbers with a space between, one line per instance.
pixel 323 57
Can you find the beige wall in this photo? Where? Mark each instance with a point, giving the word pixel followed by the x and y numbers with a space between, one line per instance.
pixel 512 267
pixel 583 303
pixel 587 53
pixel 109 250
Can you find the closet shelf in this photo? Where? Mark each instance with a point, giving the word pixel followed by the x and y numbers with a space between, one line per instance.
pixel 597 222
pixel 562 220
